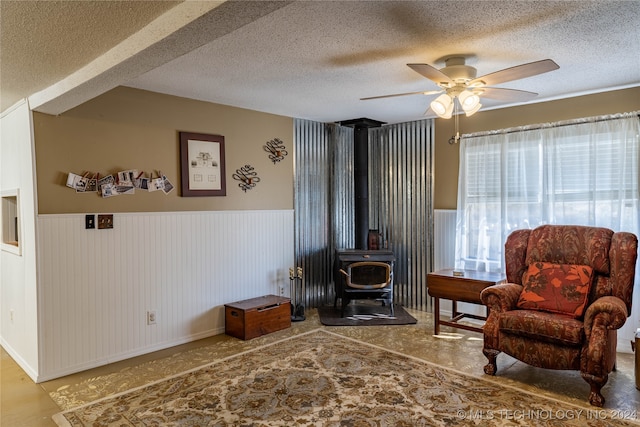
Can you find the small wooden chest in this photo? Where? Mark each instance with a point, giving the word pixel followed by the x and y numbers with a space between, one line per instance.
pixel 255 317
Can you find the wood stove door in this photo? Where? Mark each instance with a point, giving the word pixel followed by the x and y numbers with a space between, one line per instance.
pixel 364 280
pixel 344 257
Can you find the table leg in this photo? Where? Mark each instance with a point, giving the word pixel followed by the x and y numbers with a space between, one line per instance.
pixel 436 316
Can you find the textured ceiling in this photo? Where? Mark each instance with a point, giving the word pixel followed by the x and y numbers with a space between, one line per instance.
pixel 44 41
pixel 316 59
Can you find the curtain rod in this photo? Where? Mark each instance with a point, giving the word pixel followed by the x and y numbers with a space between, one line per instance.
pixel 584 120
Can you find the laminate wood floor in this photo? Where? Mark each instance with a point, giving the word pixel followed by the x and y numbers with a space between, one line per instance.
pixel 26 404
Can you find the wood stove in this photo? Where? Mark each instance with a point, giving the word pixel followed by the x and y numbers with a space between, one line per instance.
pixel 368 273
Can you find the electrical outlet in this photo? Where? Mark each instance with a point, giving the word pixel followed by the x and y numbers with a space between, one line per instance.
pixel 151 317
pixel 11 315
pixel 105 221
pixel 89 221
pixel 281 290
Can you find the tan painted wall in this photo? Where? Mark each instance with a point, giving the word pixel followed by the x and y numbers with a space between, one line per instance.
pixel 133 129
pixel 128 128
pixel 447 156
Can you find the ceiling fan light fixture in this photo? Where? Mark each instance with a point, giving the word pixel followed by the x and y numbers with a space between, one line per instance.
pixel 458 81
pixel 474 110
pixel 442 106
pixel 468 100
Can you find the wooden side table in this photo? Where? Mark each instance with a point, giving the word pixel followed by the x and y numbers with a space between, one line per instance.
pixel 465 288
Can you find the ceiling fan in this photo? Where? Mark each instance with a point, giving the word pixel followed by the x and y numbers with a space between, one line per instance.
pixel 458 81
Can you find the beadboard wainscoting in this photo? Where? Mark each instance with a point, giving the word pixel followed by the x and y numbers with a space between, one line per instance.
pixel 444 238
pixel 444 256
pixel 96 287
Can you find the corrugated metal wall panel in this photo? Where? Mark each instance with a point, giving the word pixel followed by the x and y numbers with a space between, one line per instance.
pixel 401 192
pixel 323 204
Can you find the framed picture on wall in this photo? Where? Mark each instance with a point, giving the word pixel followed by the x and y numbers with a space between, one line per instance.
pixel 202 165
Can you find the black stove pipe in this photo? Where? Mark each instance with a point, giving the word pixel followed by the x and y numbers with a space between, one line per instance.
pixel 361 177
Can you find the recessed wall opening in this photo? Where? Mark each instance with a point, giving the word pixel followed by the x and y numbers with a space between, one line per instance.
pixel 11 221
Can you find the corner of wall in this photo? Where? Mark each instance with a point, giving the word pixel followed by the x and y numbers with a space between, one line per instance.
pixel 18 294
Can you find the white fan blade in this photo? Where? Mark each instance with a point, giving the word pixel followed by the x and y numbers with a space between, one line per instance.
pixel 505 94
pixel 432 73
pixel 429 92
pixel 515 73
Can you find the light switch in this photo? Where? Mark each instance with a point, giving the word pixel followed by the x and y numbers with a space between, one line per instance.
pixel 105 221
pixel 89 221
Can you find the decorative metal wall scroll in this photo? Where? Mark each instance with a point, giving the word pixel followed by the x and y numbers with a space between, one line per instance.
pixel 247 177
pixel 276 150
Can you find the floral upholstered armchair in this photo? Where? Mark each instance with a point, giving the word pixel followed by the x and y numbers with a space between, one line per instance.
pixel 569 289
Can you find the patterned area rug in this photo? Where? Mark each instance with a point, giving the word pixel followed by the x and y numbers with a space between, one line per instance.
pixel 324 379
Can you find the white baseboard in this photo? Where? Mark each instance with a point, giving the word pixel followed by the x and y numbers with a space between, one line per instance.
pixel 32 373
pixel 124 356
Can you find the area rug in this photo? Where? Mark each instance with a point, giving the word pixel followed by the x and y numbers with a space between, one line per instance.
pixel 324 379
pixel 364 315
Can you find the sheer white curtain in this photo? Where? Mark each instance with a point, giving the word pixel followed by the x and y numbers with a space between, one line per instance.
pixel 582 172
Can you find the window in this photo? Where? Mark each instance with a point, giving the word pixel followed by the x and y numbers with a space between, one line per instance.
pixel 10 222
pixel 584 172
